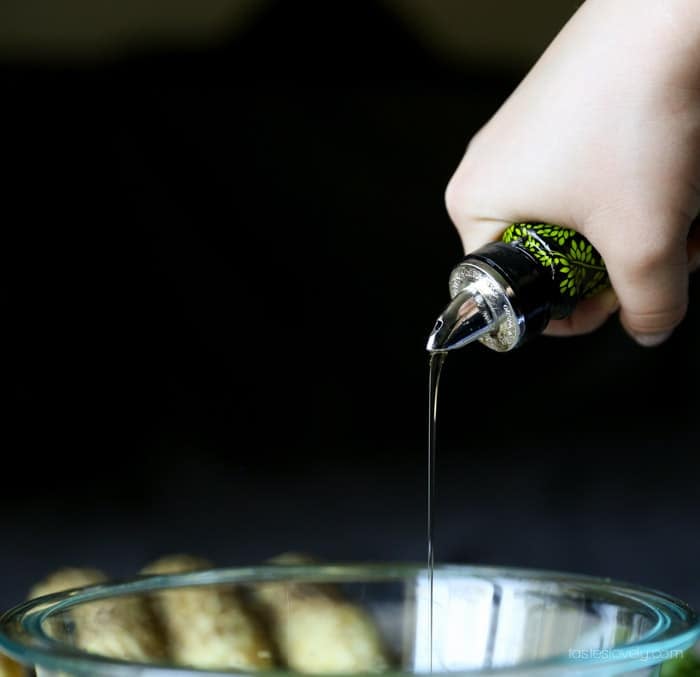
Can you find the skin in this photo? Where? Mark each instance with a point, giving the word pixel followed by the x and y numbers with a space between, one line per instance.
pixel 603 136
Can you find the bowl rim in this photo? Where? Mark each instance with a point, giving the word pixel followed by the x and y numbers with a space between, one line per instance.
pixel 23 638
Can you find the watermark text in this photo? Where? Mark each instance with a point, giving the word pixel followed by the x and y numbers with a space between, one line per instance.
pixel 625 653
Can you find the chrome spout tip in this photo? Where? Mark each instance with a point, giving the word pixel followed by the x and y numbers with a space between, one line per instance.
pixel 438 339
pixel 466 319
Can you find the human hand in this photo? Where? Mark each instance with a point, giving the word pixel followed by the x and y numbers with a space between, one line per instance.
pixel 602 136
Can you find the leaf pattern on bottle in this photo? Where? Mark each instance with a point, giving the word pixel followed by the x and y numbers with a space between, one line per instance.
pixel 576 266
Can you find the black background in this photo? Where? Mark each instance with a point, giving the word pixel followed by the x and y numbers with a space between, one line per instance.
pixel 220 268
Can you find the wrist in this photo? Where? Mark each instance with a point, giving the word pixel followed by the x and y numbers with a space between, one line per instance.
pixel 683 20
pixel 683 16
pixel 664 33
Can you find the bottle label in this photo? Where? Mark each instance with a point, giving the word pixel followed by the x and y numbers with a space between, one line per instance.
pixel 576 266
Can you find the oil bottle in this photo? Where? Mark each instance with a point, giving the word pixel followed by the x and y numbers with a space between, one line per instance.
pixel 505 293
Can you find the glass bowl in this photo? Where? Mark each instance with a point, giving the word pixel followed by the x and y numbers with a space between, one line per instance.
pixel 350 619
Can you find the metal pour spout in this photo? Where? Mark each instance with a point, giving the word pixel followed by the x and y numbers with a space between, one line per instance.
pixel 466 319
pixel 480 310
pixel 506 292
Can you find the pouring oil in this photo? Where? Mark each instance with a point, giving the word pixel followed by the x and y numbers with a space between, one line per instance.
pixel 503 294
pixel 436 361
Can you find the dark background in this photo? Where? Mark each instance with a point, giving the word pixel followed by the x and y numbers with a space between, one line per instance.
pixel 221 262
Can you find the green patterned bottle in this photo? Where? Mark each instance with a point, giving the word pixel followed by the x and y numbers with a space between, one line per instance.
pixel 506 292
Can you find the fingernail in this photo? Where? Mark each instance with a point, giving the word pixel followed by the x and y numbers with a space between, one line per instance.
pixel 651 340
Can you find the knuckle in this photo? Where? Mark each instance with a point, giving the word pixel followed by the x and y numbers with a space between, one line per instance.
pixel 655 252
pixel 462 189
pixel 454 200
pixel 460 195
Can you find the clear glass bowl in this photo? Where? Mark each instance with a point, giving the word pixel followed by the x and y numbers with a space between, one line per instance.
pixel 343 619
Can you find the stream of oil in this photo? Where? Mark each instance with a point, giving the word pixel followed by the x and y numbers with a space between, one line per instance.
pixel 435 368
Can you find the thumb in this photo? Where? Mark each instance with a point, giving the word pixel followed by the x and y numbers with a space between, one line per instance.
pixel 650 279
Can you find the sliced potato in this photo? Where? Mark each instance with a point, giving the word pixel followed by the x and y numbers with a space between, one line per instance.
pixel 317 630
pixel 8 667
pixel 65 579
pixel 122 628
pixel 209 627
